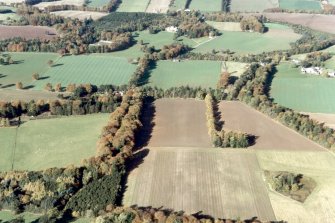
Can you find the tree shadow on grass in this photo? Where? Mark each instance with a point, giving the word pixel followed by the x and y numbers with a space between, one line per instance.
pixel 144 135
pixel 43 78
pixel 2 75
pixel 8 86
pixel 145 79
pixel 218 117
pixel 57 65
pixel 28 87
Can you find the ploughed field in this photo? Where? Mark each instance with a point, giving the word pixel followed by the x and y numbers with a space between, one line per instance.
pixel 27 32
pixel 81 15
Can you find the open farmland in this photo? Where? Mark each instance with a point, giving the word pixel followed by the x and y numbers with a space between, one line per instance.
pixel 303 92
pixel 328 119
pixel 206 74
pixel 98 3
pixel 278 37
pixel 201 180
pixel 27 95
pixel 96 69
pixel 213 5
pixel 43 5
pixel 8 216
pixel 133 6
pixel 318 165
pixel 179 123
pixel 81 15
pixel 56 142
pixel 270 135
pixel 226 26
pixel 252 6
pixel 178 5
pixel 158 6
pixel 6 18
pixel 25 65
pixel 324 23
pixel 308 5
pixel 27 32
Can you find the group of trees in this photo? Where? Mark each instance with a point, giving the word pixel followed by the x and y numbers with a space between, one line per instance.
pixel 116 42
pixel 315 59
pixel 252 23
pixel 220 137
pixel 142 69
pixel 5 59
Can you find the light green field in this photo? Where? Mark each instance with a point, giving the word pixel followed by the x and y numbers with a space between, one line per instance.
pixel 48 143
pixel 208 6
pixel 96 69
pixel 303 92
pixel 278 37
pixel 192 73
pixel 178 4
pixel 26 65
pixel 7 17
pixel 252 6
pixel 6 216
pixel 309 5
pixel 98 3
pixel 133 6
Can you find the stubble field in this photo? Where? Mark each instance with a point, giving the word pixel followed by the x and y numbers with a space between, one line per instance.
pixel 27 32
pixel 81 15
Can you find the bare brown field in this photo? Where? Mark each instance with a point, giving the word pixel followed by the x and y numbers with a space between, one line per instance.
pixel 324 23
pixel 26 95
pixel 328 119
pixel 43 5
pixel 319 206
pixel 27 32
pixel 269 134
pixel 80 14
pixel 220 182
pixel 179 123
pixel 158 6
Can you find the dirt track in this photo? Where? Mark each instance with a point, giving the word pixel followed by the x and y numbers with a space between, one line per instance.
pixel 180 123
pixel 220 182
pixel 270 134
pixel 27 32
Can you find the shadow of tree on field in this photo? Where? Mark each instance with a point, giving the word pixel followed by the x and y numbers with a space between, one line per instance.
pixel 143 137
pixel 28 87
pixel 8 86
pixel 2 75
pixel 131 164
pixel 43 78
pixel 145 79
pixel 218 117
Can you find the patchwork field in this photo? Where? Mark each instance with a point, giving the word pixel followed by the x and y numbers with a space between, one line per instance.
pixel 25 65
pixel 178 123
pixel 96 69
pixel 26 95
pixel 206 74
pixel 133 6
pixel 303 92
pixel 80 14
pixel 221 183
pixel 308 5
pixel 158 6
pixel 324 23
pixel 43 5
pixel 278 37
pixel 270 135
pixel 56 142
pixel 252 6
pixel 226 26
pixel 27 32
pixel 213 5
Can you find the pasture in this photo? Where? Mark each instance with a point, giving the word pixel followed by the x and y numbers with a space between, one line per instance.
pixel 81 15
pixel 46 143
pixel 278 37
pixel 302 92
pixel 206 74
pixel 178 4
pixel 43 5
pixel 252 6
pixel 27 32
pixel 27 95
pixel 25 64
pixel 98 3
pixel 8 216
pixel 308 5
pixel 222 183
pixel 270 134
pixel 208 6
pixel 133 6
pixel 158 6
pixel 225 26
pixel 6 18
pixel 96 69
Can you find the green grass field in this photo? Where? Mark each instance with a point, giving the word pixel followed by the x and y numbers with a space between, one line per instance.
pixel 303 92
pixel 192 73
pixel 98 3
pixel 6 216
pixel 213 5
pixel 309 5
pixel 252 6
pixel 96 69
pixel 278 37
pixel 178 4
pixel 26 65
pixel 48 143
pixel 5 18
pixel 133 6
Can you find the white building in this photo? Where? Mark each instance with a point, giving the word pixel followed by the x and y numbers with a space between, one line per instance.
pixel 171 29
pixel 331 74
pixel 311 70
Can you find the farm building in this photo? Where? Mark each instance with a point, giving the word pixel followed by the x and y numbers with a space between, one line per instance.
pixel 171 29
pixel 311 70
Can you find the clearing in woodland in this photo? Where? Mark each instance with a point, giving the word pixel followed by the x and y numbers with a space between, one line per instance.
pixel 193 73
pixel 303 92
pixel 46 143
pixel 97 69
pixel 270 135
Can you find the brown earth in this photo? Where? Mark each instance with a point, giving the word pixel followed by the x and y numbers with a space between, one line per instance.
pixel 269 133
pixel 179 123
pixel 27 32
pixel 223 183
pixel 328 119
pixel 26 95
